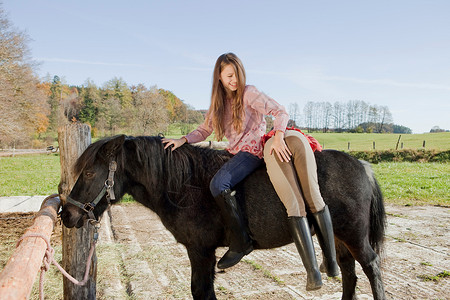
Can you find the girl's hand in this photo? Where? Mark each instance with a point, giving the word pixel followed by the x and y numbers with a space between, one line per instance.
pixel 175 142
pixel 280 147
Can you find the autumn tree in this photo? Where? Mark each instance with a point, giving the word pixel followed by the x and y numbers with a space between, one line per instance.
pixel 23 102
pixel 175 107
pixel 191 119
pixel 150 115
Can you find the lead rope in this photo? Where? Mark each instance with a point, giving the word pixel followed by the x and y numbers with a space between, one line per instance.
pixel 49 259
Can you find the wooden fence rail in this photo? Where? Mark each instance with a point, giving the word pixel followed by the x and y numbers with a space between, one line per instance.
pixel 19 274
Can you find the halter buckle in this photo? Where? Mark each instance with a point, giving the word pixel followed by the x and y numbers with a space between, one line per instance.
pixel 88 207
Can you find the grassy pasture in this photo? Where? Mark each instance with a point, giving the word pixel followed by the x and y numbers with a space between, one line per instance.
pixel 29 175
pixel 408 183
pixel 402 183
pixel 364 141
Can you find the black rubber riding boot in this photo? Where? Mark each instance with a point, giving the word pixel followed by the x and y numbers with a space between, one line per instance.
pixel 301 234
pixel 240 242
pixel 325 235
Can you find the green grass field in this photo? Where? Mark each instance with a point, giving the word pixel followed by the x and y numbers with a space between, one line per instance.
pixel 401 183
pixel 29 175
pixel 408 183
pixel 364 141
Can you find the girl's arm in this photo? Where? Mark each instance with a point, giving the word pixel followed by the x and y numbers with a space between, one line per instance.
pixel 268 106
pixel 200 134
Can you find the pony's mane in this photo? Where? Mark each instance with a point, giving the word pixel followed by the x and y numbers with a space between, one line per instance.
pixel 187 165
pixel 89 155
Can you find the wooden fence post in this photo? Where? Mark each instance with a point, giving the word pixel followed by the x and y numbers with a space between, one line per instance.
pixel 73 139
pixel 399 137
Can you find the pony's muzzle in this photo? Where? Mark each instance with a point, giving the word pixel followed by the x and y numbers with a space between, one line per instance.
pixel 72 216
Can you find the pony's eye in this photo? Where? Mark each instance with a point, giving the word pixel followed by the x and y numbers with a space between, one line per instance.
pixel 89 174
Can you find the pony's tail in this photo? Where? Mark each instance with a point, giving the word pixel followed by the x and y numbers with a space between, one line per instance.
pixel 377 213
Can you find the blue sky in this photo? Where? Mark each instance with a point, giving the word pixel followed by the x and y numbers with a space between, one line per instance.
pixel 394 53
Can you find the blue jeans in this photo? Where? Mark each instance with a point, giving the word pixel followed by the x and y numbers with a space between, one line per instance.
pixel 233 172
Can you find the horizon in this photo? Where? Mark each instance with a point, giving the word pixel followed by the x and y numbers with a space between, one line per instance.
pixel 384 53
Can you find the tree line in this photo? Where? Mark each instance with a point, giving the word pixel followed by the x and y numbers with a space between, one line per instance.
pixel 113 108
pixel 352 116
pixel 117 108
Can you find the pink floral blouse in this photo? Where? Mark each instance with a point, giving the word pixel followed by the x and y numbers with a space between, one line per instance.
pixel 256 106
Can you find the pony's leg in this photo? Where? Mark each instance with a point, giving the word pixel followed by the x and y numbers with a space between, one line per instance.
pixel 370 263
pixel 346 263
pixel 203 261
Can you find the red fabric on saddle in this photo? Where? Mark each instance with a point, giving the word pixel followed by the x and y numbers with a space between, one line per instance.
pixel 315 146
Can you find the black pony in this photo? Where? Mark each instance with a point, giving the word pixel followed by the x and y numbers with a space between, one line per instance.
pixel 175 185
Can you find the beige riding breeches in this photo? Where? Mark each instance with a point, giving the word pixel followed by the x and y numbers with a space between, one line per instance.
pixel 295 181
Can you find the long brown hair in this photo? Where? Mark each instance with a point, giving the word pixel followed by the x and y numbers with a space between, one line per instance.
pixel 219 95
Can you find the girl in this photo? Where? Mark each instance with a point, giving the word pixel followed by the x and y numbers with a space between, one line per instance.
pixel 237 112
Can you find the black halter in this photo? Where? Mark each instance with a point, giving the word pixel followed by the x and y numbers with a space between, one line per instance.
pixel 107 189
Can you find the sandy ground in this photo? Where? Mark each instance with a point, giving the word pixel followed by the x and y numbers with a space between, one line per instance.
pixel 152 265
pixel 139 259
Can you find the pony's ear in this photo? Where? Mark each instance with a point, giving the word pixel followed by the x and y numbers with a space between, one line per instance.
pixel 113 146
